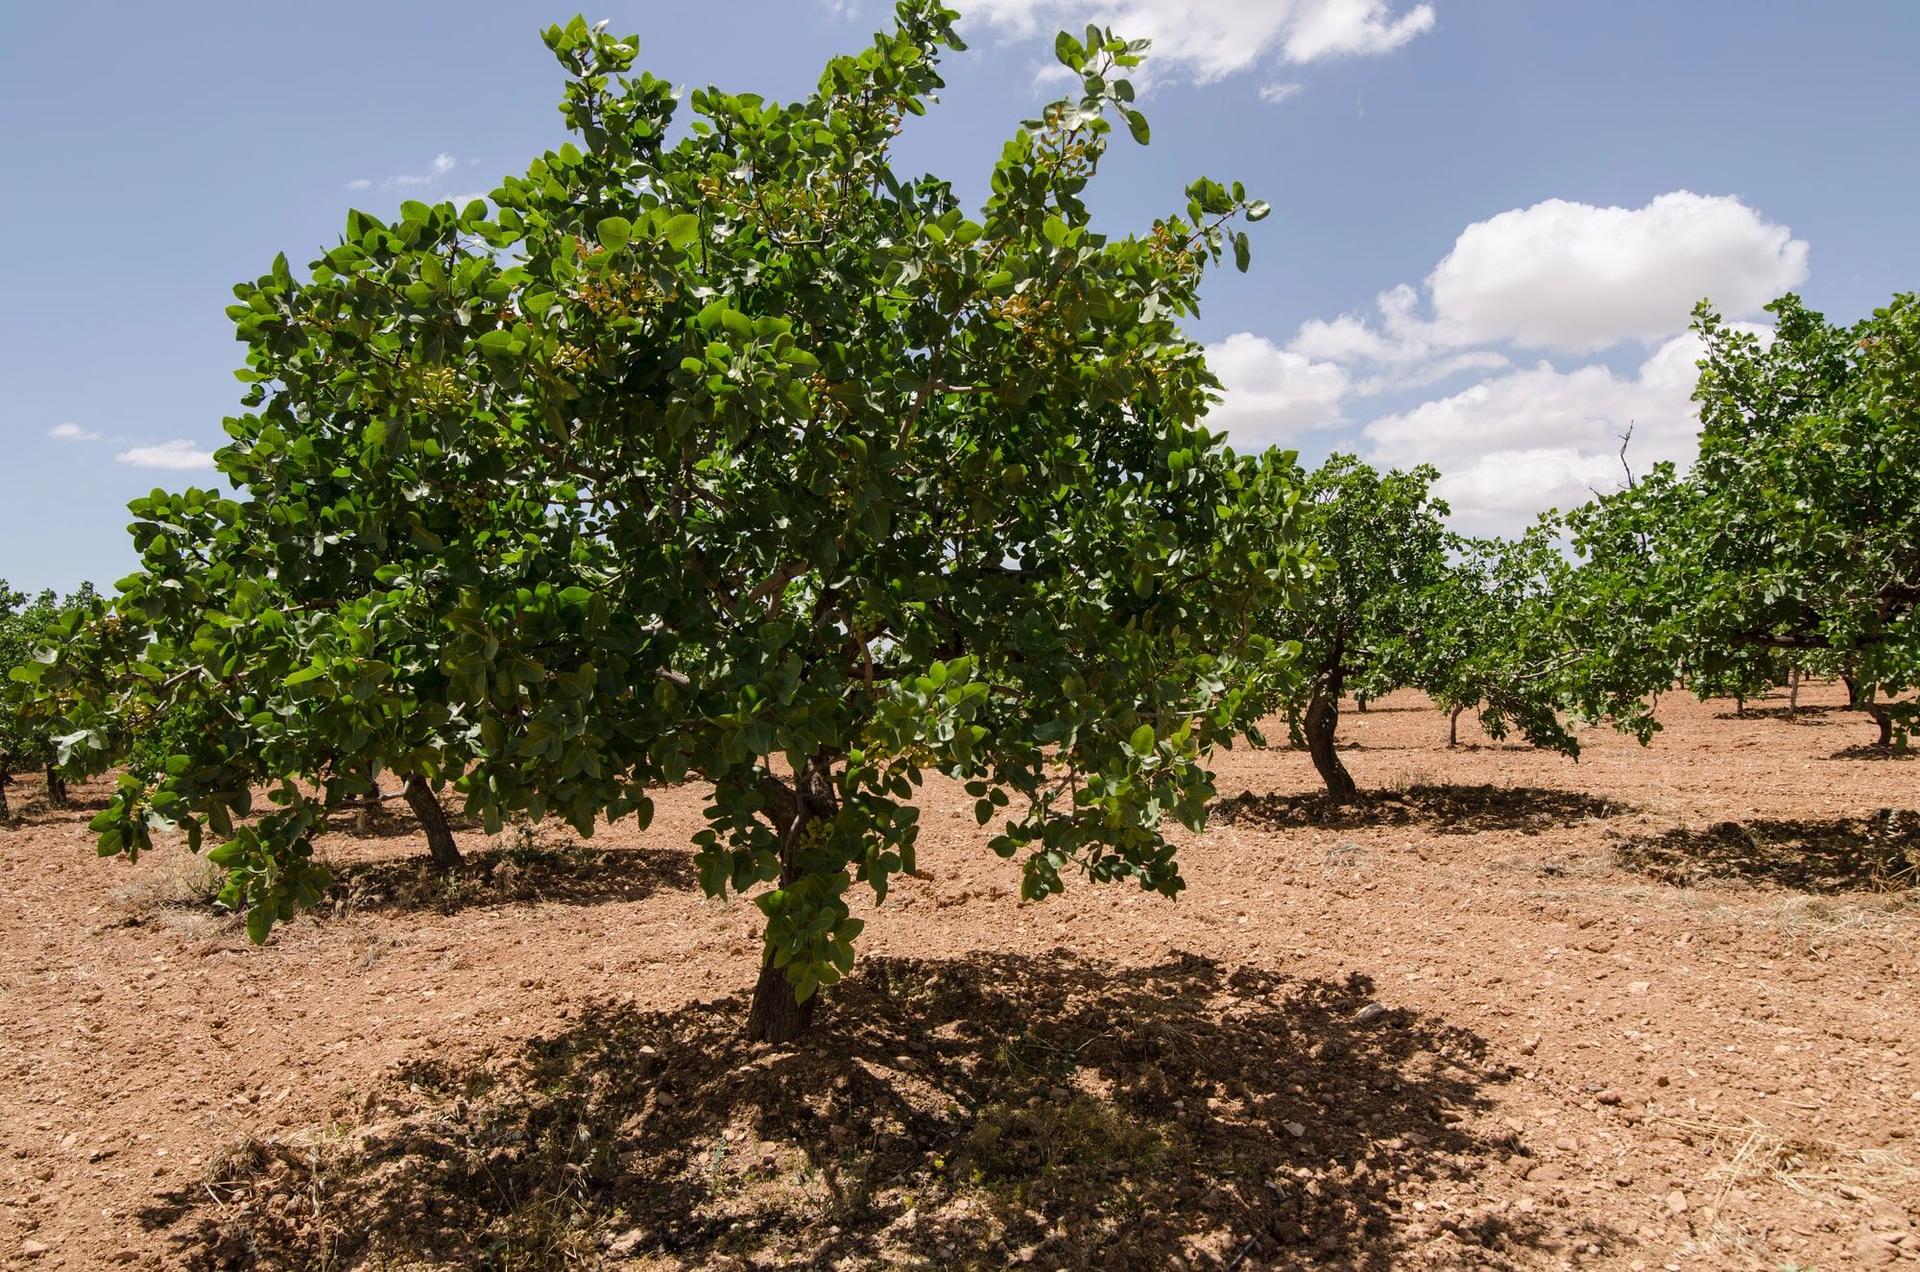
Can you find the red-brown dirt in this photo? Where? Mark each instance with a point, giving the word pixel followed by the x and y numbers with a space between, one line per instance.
pixel 1653 1009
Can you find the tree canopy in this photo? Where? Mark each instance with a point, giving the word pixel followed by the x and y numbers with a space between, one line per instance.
pixel 725 452
pixel 1798 529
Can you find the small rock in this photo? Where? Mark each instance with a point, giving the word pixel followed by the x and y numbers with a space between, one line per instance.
pixel 1871 1250
pixel 1676 1201
pixel 1371 1012
pixel 1530 1045
pixel 1639 987
pixel 1294 1129
pixel 1609 1097
pixel 32 1249
pixel 627 1242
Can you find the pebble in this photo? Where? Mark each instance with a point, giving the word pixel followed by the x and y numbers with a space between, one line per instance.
pixel 1676 1201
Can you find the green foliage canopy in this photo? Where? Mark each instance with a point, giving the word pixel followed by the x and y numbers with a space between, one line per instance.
pixel 738 457
pixel 1797 530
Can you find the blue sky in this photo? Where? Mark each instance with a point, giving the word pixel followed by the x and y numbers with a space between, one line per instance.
pixel 1490 216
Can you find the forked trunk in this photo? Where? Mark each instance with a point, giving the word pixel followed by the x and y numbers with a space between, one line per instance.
pixel 56 788
pixel 433 823
pixel 1323 717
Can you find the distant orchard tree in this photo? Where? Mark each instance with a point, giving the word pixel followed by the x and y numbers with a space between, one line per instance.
pixel 1796 532
pixel 727 452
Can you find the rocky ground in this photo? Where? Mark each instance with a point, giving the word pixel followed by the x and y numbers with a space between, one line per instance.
pixel 1651 1010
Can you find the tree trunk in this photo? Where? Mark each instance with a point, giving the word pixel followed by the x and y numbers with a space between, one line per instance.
pixel 6 780
pixel 774 1015
pixel 1883 719
pixel 1740 705
pixel 56 788
pixel 1453 727
pixel 1323 717
pixel 1360 703
pixel 363 820
pixel 1793 691
pixel 1862 696
pixel 433 821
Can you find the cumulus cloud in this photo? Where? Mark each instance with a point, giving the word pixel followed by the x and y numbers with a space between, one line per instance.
pixel 1536 438
pixel 176 455
pixel 1575 278
pixel 70 432
pixel 1572 276
pixel 1272 394
pixel 1209 39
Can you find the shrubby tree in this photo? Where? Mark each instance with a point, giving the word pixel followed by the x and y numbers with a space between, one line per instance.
pixel 726 453
pixel 1489 636
pixel 1380 544
pixel 29 738
pixel 1798 529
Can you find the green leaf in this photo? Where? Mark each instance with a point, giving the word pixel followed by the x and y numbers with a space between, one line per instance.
pixel 681 230
pixel 614 232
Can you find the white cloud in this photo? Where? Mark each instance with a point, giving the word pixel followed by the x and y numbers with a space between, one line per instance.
pixel 1272 394
pixel 439 167
pixel 178 454
pixel 1276 92
pixel 1576 278
pixel 70 432
pixel 1208 39
pixel 1535 438
pixel 1573 276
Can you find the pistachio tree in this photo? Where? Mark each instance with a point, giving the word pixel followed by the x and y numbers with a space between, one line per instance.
pixel 1490 637
pixel 724 451
pixel 1797 531
pixel 1380 542
pixel 30 738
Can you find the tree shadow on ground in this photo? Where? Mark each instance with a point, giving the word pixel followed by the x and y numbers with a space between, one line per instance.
pixel 577 875
pixel 1446 810
pixel 1875 751
pixel 973 1113
pixel 1813 713
pixel 1880 853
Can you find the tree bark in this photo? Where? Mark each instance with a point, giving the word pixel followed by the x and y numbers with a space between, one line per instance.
pixel 1453 727
pixel 1360 703
pixel 1882 718
pixel 6 780
pixel 1862 696
pixel 433 822
pixel 1323 717
pixel 1793 691
pixel 56 788
pixel 774 1016
pixel 1740 705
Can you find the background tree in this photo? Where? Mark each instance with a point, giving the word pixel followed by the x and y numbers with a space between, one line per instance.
pixel 737 457
pixel 29 739
pixel 1798 529
pixel 1381 545
pixel 1490 637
